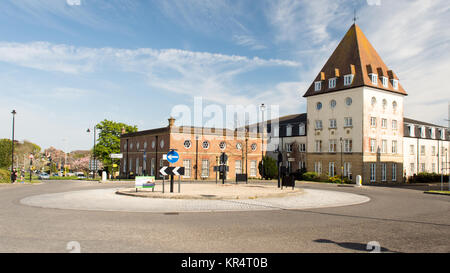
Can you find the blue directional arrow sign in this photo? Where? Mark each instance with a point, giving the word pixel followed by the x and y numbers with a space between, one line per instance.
pixel 172 156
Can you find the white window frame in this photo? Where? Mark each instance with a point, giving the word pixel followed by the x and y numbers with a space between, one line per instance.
pixel 348 79
pixel 319 125
pixel 348 122
pixel 385 81
pixel 331 169
pixel 423 150
pixel 394 124
pixel 332 147
pixel 373 172
pixel 384 146
pixel 289 147
pixel 302 147
pixel 347 169
pixel 317 86
pixel 373 121
pixel 289 130
pixel 394 171
pixel 187 168
pixel 301 129
pixel 152 167
pixel 253 167
pixel 332 83
pixel 205 168
pixel 412 149
pixel 318 167
pixel 348 145
pixel 238 167
pixel 395 84
pixel 383 172
pixel 394 147
pixel 384 123
pixel 318 146
pixel 373 145
pixel 333 123
pixel 374 78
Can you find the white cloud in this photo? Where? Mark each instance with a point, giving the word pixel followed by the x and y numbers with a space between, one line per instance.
pixel 412 38
pixel 248 41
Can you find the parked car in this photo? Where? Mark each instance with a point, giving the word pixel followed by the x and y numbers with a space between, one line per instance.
pixel 81 176
pixel 43 176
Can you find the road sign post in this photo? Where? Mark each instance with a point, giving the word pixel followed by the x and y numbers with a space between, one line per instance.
pixel 171 171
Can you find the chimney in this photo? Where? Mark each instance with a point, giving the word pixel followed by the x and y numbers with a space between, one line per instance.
pixel 171 122
pixel 336 72
pixel 322 76
pixel 352 69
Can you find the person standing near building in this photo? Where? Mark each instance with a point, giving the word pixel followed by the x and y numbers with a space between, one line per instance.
pixel 13 176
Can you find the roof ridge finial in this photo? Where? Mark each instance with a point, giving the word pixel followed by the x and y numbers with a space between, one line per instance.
pixel 354 16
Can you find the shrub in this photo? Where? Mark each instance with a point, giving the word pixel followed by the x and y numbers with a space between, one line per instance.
pixel 270 168
pixel 5 176
pixel 310 176
pixel 426 178
pixel 334 179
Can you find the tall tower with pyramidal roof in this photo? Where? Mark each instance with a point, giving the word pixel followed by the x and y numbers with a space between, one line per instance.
pixel 355 114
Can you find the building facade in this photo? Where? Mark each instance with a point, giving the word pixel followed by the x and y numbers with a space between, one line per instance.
pixel 199 150
pixel 354 125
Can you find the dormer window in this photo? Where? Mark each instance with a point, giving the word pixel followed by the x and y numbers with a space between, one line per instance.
pixel 317 86
pixel 302 129
pixel 348 79
pixel 289 130
pixel 374 78
pixel 385 81
pixel 411 130
pixel 395 84
pixel 442 134
pixel 422 132
pixel 432 135
pixel 332 83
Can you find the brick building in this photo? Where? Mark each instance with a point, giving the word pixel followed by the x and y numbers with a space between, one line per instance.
pixel 199 150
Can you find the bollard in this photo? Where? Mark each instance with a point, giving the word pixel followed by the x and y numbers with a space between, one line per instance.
pixel 358 181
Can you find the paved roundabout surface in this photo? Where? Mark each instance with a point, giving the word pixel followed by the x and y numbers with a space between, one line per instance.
pixel 108 200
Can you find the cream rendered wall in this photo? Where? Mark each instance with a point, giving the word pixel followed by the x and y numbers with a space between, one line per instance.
pixel 377 110
pixel 339 113
pixel 429 159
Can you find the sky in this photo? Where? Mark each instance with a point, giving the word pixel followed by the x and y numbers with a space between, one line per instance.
pixel 66 65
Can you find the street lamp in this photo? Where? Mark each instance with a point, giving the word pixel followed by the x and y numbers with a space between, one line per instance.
pixel 93 153
pixel 263 107
pixel 12 150
pixel 342 167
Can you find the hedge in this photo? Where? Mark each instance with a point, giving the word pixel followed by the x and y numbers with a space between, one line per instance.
pixel 5 176
pixel 426 178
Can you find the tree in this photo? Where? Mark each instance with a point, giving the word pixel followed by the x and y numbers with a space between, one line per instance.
pixel 81 164
pixel 5 153
pixel 109 139
pixel 270 168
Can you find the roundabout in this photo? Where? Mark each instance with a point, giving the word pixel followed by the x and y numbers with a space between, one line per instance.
pixel 195 198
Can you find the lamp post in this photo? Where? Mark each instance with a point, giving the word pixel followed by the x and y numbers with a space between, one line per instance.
pixel 263 107
pixel 93 153
pixel 12 150
pixel 342 166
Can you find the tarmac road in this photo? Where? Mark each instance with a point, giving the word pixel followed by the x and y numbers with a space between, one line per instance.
pixel 400 220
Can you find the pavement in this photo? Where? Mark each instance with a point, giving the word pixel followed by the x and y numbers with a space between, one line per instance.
pixel 400 220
